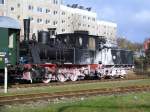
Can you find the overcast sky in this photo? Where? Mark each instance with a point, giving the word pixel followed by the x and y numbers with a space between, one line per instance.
pixel 131 16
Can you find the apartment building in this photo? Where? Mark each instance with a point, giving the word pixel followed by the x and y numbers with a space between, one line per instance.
pixel 78 19
pixel 46 14
pixel 107 29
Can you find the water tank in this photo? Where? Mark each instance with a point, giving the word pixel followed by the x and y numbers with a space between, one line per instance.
pixel 43 37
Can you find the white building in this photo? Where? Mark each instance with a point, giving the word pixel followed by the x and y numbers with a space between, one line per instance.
pixel 46 14
pixel 78 20
pixel 107 29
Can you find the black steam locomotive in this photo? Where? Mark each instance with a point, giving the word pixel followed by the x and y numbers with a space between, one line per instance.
pixel 75 48
pixel 63 56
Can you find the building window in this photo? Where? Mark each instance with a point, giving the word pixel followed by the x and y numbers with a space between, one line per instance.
pixel 88 25
pixel 84 17
pixel 55 22
pixel 55 2
pixel 88 18
pixel 79 24
pixel 84 25
pixel 1 1
pixel 39 9
pixel 47 21
pixel 63 13
pixel 12 9
pixel 63 21
pixel 93 19
pixel 18 17
pixel 30 7
pixel 63 30
pixel 55 12
pixel 39 20
pixel 18 5
pixel 47 10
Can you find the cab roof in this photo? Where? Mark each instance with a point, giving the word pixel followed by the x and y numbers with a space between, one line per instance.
pixel 7 22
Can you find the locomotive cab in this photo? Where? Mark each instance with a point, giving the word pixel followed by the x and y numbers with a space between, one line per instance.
pixel 9 44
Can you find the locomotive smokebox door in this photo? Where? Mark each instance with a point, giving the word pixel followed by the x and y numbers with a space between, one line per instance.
pixel 9 39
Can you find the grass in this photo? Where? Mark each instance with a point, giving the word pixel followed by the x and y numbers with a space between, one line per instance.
pixel 135 102
pixel 75 87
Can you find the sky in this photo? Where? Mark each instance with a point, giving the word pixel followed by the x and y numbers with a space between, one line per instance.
pixel 132 16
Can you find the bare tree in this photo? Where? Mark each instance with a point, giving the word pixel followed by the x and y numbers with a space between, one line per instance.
pixel 126 44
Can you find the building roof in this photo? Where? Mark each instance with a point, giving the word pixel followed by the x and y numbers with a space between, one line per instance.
pixel 78 11
pixel 107 23
pixel 7 22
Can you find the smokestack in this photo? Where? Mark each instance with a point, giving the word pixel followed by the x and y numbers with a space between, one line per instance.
pixel 26 29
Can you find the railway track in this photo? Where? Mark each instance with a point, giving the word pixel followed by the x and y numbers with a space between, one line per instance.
pixel 8 100
pixel 70 82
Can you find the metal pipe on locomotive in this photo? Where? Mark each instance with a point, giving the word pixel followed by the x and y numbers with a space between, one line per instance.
pixel 70 56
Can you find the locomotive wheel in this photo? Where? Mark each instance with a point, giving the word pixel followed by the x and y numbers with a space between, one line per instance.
pixel 46 81
pixel 99 75
pixel 27 76
pixel 48 78
pixel 73 77
pixel 112 77
pixel 61 78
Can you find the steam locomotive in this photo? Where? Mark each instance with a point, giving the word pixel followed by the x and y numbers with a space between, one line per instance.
pixel 62 57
